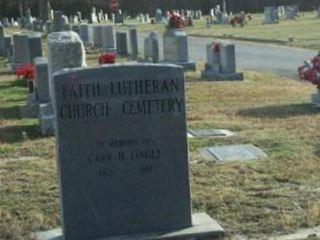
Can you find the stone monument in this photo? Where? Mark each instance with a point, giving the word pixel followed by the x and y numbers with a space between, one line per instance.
pixel 175 46
pixel 221 63
pixel 123 156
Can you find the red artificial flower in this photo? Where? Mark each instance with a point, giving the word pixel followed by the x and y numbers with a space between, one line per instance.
pixel 107 58
pixel 216 47
pixel 25 71
pixel 176 21
pixel 310 71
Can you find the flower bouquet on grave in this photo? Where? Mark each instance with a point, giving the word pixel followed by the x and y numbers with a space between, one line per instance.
pixel 175 21
pixel 107 58
pixel 310 71
pixel 26 72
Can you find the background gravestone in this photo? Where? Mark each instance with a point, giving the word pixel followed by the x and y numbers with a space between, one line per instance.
pixel 57 21
pixel 41 80
pixel 122 43
pixel 108 43
pixel 2 53
pixel 134 43
pixel 175 47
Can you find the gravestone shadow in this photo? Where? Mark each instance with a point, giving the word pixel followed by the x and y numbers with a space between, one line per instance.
pixel 280 111
pixel 13 134
pixel 10 112
pixel 16 83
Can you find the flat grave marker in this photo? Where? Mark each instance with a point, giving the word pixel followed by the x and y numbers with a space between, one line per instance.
pixel 232 153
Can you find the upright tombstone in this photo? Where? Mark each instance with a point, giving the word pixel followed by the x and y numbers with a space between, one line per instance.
pixel 221 63
pixel 108 43
pixel 28 19
pixel 151 48
pixel 118 18
pixel 97 35
pixel 21 49
pixel 291 11
pixel 41 80
pixel 159 16
pixel 93 16
pixel 35 46
pixel 8 48
pixel 122 43
pixel 134 43
pixel 271 15
pixel 175 46
pixel 123 155
pixel 57 21
pixel 44 10
pixel 84 32
pixel 65 50
pixel 2 53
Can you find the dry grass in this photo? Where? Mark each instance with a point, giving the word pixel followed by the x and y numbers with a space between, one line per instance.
pixel 260 198
pixel 302 32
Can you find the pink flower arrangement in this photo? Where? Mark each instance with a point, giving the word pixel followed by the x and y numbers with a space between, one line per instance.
pixel 175 21
pixel 310 71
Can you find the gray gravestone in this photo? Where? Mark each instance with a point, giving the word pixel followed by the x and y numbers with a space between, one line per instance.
pixel 108 103
pixel 44 9
pixel 84 33
pixel 221 63
pixel 134 43
pixel 271 15
pixel 8 48
pixel 122 43
pixel 93 16
pixel 65 50
pixel 41 80
pixel 57 21
pixel 35 46
pixel 151 48
pixel 46 119
pixel 97 36
pixel 234 153
pixel 108 43
pixel 159 16
pixel 21 49
pixel 118 180
pixel 175 46
pixel 2 50
pixel 291 11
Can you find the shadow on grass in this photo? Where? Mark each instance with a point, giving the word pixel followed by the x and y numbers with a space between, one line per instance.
pixel 10 113
pixel 12 134
pixel 280 111
pixel 17 83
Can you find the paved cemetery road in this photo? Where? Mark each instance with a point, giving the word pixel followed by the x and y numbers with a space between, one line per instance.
pixel 250 56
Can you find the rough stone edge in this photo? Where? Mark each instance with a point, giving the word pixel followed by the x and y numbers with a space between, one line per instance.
pixel 203 227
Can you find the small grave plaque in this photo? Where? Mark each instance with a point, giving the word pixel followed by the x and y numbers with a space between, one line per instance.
pixel 233 153
pixel 209 133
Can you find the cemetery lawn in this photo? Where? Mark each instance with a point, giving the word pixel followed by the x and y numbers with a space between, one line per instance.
pixel 303 32
pixel 273 196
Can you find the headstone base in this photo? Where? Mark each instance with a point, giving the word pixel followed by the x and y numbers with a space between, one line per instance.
pixel 214 76
pixel 204 227
pixel 31 109
pixel 188 66
pixel 46 119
